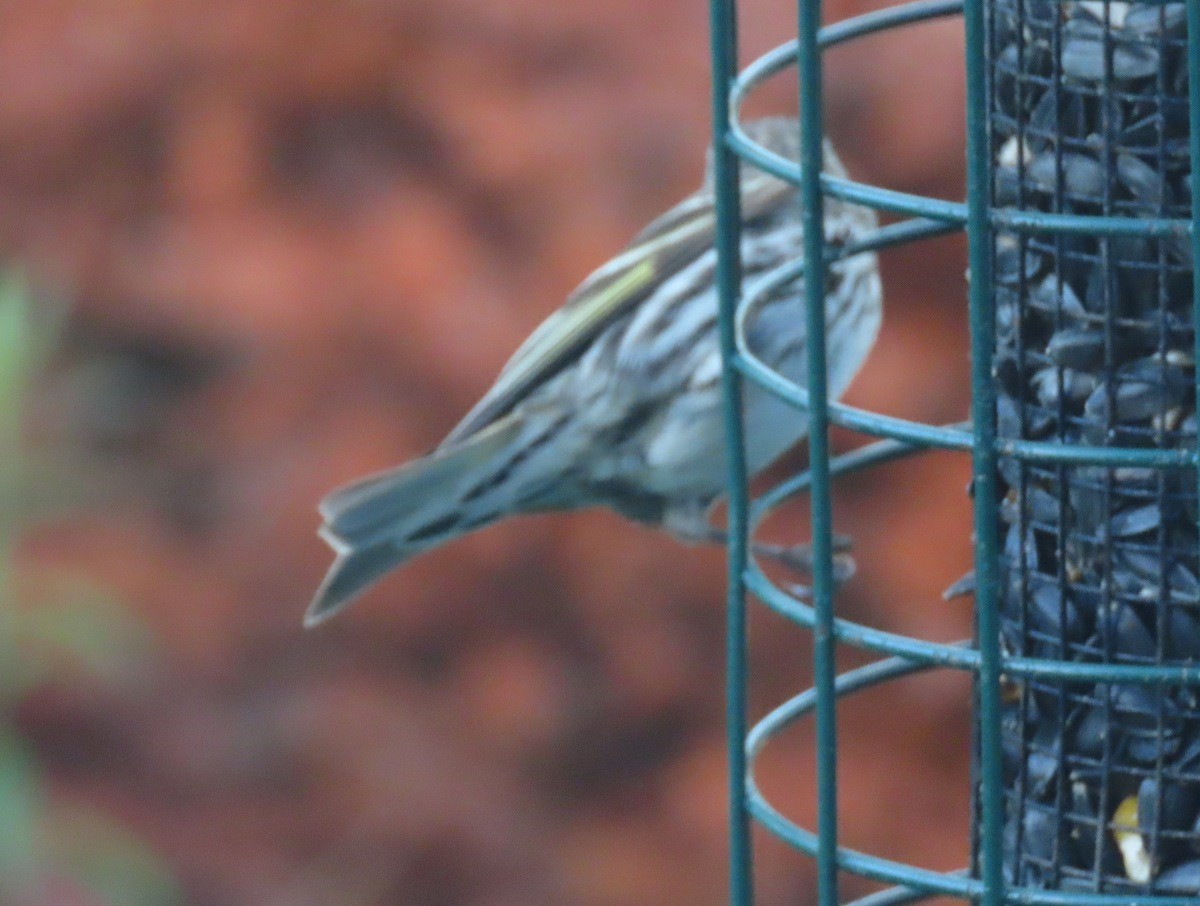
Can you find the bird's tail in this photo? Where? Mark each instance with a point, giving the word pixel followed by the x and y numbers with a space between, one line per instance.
pixel 378 523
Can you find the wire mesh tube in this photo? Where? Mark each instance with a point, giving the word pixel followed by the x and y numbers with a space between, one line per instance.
pixel 1095 345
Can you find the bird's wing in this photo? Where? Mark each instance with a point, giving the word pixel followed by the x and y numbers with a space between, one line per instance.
pixel 663 248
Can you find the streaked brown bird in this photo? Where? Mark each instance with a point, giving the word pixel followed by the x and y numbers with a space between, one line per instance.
pixel 615 400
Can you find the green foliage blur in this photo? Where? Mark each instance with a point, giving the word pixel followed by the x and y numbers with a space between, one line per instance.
pixel 52 851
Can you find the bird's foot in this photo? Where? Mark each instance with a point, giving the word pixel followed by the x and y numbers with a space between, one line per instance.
pixel 800 558
pixel 961 588
pixel 690 525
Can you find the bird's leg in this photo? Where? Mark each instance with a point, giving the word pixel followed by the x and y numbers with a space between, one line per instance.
pixel 693 526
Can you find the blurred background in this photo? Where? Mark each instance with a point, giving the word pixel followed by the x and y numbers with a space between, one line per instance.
pixel 255 249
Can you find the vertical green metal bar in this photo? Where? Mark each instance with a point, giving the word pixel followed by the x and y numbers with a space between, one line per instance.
pixel 979 243
pixel 824 644
pixel 723 16
pixel 1193 52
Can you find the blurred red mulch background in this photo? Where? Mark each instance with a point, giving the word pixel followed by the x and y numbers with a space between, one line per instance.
pixel 298 239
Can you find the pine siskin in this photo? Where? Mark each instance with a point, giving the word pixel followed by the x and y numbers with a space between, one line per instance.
pixel 615 400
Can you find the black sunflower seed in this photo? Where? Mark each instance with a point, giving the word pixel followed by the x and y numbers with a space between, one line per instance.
pixel 1083 55
pixel 1077 347
pixel 1151 21
pixel 1143 182
pixel 1081 175
pixel 1135 521
pixel 1182 879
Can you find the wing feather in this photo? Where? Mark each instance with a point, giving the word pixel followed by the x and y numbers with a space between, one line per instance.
pixel 663 248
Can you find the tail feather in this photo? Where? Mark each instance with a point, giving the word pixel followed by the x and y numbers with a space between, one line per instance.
pixel 411 490
pixel 376 524
pixel 353 572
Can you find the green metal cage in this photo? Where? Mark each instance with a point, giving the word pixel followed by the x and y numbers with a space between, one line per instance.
pixel 986 660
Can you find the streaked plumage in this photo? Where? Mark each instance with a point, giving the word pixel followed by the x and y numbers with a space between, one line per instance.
pixel 615 400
